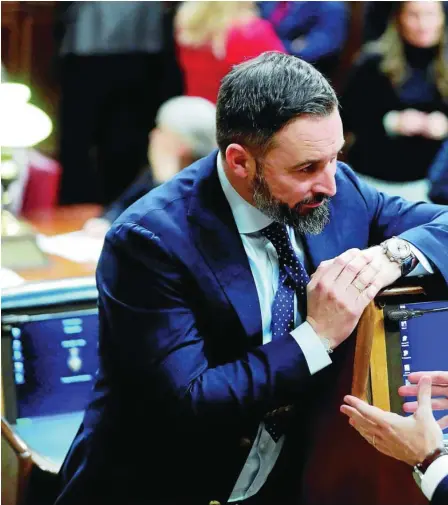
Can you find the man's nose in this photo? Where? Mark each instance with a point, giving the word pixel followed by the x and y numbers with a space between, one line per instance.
pixel 326 182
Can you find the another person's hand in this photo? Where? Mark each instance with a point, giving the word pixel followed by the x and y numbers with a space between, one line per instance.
pixel 97 227
pixel 435 126
pixel 337 296
pixel 439 388
pixel 411 122
pixel 409 439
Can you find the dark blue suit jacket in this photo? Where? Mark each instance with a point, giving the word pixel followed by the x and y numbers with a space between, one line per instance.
pixel 440 496
pixel 323 24
pixel 438 176
pixel 184 379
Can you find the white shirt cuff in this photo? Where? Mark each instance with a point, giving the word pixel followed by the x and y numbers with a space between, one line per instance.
pixel 434 475
pixel 312 347
pixel 423 267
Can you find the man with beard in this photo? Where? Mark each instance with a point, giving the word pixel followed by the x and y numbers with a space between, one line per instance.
pixel 212 336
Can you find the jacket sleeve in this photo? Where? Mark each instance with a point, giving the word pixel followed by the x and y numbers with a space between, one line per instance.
pixel 328 34
pixel 422 224
pixel 440 496
pixel 149 329
pixel 438 176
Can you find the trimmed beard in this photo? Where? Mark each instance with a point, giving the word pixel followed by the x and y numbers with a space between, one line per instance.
pixel 313 222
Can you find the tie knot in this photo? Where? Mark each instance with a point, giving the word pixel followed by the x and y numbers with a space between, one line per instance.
pixel 277 234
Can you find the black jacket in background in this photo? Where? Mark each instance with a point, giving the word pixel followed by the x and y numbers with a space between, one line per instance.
pixel 368 96
pixel 135 191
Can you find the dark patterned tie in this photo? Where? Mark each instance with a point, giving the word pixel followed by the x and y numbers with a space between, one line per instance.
pixel 292 279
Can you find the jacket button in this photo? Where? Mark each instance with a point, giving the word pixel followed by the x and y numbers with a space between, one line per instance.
pixel 245 442
pixel 214 502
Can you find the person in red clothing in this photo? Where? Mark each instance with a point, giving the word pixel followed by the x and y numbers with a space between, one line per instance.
pixel 211 37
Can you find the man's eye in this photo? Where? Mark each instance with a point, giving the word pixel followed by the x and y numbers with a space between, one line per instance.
pixel 306 169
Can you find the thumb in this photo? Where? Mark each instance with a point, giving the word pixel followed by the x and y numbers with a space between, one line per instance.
pixel 424 394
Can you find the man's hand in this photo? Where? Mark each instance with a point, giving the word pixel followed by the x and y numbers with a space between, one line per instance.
pixel 409 439
pixel 439 388
pixel 388 271
pixel 341 288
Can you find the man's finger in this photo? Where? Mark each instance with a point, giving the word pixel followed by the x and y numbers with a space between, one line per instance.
pixel 323 267
pixel 356 419
pixel 439 403
pixel 443 422
pixel 410 407
pixel 368 273
pixel 373 414
pixel 366 296
pixel 438 377
pixel 351 270
pixel 339 264
pixel 436 404
pixel 424 393
pixel 412 390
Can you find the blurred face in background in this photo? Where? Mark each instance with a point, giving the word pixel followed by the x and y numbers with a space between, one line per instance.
pixel 168 153
pixel 421 24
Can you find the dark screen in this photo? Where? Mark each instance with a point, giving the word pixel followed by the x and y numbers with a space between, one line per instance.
pixel 54 362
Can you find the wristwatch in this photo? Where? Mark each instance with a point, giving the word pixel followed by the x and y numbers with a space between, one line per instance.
pixel 399 251
pixel 420 468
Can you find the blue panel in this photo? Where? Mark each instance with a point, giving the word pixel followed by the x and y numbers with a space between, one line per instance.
pixel 424 343
pixel 55 358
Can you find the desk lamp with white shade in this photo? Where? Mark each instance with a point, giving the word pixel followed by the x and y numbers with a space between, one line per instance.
pixel 21 125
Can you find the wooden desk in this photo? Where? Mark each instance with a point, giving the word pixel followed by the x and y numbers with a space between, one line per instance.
pixel 53 222
pixel 354 472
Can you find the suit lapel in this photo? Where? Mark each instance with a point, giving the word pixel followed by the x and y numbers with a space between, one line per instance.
pixel 217 237
pixel 325 245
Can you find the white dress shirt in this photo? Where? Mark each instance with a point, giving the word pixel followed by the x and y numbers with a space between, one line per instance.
pixel 263 262
pixel 434 475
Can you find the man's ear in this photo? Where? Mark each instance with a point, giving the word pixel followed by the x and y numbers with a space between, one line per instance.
pixel 240 161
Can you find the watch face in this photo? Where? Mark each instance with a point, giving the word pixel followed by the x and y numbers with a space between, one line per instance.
pixel 399 248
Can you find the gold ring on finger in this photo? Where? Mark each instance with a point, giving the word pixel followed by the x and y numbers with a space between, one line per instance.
pixel 358 285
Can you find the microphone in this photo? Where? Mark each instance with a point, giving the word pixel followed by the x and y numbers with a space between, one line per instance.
pixel 406 314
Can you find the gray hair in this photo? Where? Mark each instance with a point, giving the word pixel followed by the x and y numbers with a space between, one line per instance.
pixel 259 97
pixel 194 119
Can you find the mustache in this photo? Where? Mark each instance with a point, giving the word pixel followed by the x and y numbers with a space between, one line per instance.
pixel 319 198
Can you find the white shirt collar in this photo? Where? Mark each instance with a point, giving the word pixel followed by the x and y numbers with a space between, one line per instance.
pixel 248 218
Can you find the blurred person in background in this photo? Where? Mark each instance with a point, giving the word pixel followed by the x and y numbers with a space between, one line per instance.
pixel 213 36
pixel 396 101
pixel 110 65
pixel 376 16
pixel 313 31
pixel 185 131
pixel 438 177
